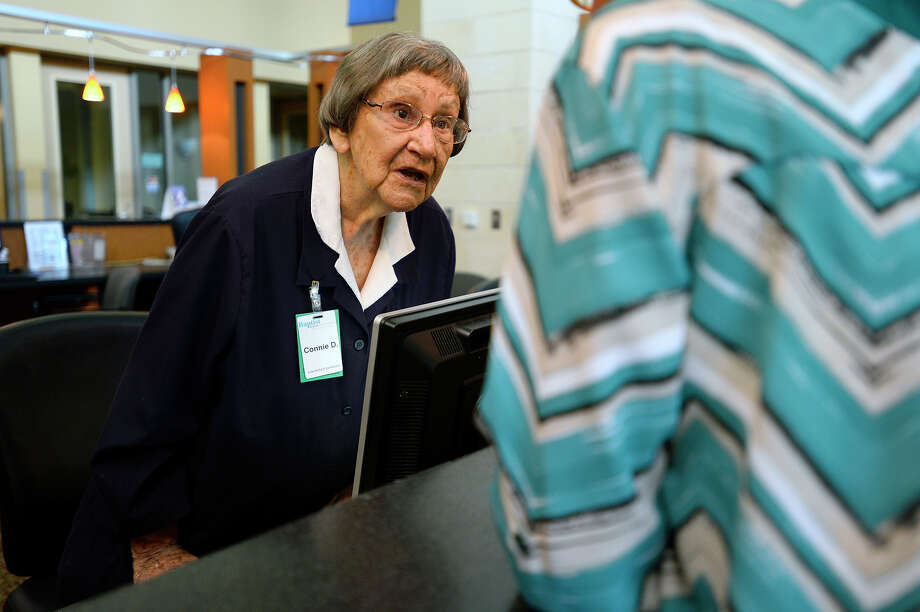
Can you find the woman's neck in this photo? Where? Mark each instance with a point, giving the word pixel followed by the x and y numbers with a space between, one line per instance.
pixel 361 244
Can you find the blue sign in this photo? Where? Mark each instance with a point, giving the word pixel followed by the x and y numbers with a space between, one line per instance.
pixel 371 11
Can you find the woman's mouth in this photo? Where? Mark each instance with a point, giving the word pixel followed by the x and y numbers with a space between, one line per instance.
pixel 414 175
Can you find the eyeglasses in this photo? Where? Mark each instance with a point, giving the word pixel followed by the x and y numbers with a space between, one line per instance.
pixel 403 116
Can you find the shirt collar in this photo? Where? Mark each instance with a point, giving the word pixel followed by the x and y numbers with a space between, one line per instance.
pixel 326 210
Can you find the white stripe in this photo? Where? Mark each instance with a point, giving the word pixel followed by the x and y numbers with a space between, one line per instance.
pixel 805 497
pixel 601 196
pixel 702 554
pixel 650 332
pixel 769 536
pixel 871 593
pixel 728 287
pixel 722 28
pixel 599 419
pixel 724 375
pixel 740 456
pixel 764 93
pixel 568 546
pixel 834 335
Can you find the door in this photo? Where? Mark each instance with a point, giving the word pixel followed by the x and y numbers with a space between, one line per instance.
pixel 89 146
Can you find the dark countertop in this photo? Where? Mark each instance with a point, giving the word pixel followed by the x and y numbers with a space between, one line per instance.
pixel 424 543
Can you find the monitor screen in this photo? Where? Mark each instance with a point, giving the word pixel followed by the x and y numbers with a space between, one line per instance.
pixel 423 381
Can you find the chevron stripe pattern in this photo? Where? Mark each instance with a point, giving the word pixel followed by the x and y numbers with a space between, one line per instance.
pixel 704 378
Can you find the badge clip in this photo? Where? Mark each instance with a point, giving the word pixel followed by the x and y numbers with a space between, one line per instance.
pixel 315 300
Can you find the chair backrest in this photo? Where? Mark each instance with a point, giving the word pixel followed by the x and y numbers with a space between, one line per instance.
pixel 120 288
pixel 58 375
pixel 180 223
pixel 463 282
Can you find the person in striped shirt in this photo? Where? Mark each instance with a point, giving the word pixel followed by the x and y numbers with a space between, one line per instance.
pixel 704 375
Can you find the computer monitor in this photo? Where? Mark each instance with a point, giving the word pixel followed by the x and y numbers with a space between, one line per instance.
pixel 423 381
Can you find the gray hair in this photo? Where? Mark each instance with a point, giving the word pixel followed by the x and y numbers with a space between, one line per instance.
pixel 385 57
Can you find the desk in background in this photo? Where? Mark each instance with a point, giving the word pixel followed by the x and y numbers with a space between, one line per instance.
pixel 25 295
pixel 423 543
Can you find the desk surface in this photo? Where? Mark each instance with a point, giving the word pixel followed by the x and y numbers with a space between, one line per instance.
pixel 82 276
pixel 423 543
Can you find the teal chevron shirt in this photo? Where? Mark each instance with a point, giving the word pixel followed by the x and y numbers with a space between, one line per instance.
pixel 704 378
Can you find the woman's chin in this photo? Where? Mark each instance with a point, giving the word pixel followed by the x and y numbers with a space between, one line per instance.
pixel 404 200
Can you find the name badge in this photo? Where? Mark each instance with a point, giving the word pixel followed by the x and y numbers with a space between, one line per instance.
pixel 319 341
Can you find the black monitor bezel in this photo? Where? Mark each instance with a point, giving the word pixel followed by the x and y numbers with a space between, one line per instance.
pixel 406 316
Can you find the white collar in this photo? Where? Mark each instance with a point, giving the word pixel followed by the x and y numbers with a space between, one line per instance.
pixel 326 209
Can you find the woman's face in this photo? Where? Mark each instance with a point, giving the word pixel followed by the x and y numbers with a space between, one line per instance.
pixel 390 169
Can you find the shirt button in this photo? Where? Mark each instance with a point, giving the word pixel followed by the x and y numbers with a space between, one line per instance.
pixel 346 410
pixel 359 344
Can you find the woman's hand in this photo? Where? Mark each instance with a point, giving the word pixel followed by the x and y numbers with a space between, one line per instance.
pixel 157 554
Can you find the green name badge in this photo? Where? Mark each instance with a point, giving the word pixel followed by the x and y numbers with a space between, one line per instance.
pixel 319 345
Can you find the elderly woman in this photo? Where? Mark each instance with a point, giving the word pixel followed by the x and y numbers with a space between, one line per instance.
pixel 240 407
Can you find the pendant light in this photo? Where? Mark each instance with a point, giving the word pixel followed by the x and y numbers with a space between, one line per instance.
pixel 174 103
pixel 92 91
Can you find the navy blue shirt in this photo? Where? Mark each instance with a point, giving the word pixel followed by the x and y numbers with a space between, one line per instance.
pixel 211 428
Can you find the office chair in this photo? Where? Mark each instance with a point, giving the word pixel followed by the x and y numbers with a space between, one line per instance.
pixel 484 285
pixel 463 282
pixel 180 223
pixel 120 288
pixel 58 375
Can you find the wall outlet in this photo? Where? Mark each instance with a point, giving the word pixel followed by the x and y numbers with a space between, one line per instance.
pixel 496 218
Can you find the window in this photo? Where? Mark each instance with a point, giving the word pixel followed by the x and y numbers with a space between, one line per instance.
pixel 288 118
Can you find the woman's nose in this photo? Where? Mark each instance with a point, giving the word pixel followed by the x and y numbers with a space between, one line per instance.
pixel 423 140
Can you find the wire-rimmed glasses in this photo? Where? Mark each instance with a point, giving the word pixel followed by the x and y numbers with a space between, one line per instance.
pixel 403 116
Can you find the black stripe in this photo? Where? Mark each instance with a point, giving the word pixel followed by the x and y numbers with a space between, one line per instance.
pixel 585 324
pixel 867 48
pixel 626 386
pixel 875 336
pixel 534 524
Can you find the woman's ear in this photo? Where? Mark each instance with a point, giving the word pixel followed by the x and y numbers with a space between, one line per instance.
pixel 339 139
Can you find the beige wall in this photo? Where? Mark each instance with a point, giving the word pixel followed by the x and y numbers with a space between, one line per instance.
pixel 510 48
pixel 261 124
pixel 28 126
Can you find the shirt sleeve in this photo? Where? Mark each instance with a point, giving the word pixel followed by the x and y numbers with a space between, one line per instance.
pixel 582 388
pixel 139 480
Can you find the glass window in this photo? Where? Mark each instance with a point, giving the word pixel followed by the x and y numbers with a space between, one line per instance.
pixel 288 118
pixel 185 136
pixel 87 161
pixel 5 212
pixel 152 160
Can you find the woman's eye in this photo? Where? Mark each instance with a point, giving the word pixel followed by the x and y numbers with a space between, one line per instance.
pixel 402 113
pixel 442 124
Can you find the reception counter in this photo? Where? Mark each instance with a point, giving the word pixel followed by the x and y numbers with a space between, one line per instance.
pixel 423 543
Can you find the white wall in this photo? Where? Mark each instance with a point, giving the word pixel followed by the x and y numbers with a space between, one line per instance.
pixel 510 48
pixel 286 25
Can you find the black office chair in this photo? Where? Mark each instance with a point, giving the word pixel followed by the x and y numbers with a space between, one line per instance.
pixel 120 288
pixel 484 285
pixel 58 375
pixel 180 223
pixel 463 282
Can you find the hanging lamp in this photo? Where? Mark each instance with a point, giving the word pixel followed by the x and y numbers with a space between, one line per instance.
pixel 92 91
pixel 174 103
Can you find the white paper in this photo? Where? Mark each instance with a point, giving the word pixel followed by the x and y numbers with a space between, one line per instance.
pixel 46 247
pixel 205 186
